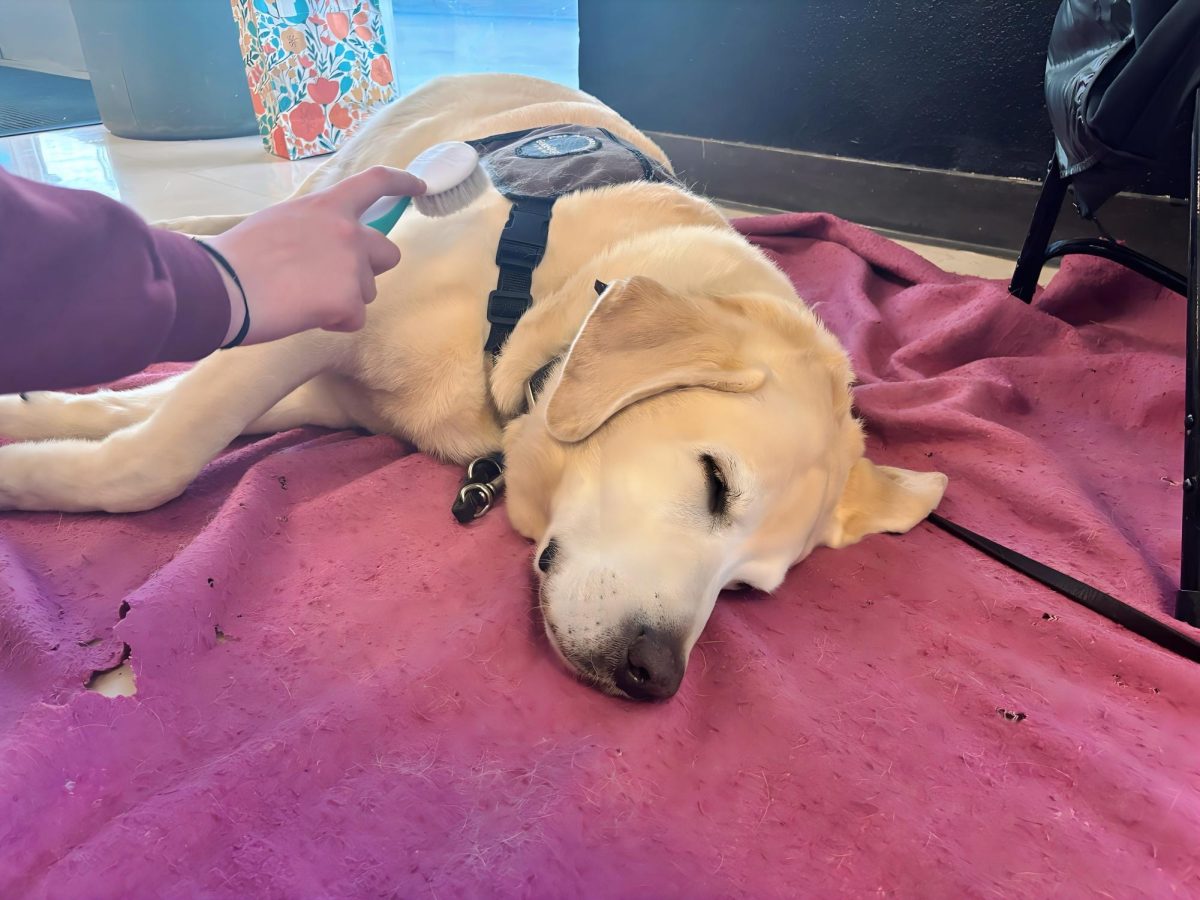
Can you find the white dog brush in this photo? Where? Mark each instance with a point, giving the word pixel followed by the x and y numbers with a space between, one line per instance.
pixel 453 178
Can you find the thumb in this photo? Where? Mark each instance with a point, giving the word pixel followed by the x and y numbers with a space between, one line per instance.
pixel 355 194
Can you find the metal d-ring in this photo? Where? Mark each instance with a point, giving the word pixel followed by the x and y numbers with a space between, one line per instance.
pixel 495 472
pixel 485 493
pixel 480 490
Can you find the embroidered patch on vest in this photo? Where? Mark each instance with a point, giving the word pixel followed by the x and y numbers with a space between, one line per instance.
pixel 551 146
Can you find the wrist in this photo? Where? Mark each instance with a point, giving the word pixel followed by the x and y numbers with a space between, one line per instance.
pixel 239 304
pixel 237 310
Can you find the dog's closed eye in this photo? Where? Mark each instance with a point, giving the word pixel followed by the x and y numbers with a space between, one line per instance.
pixel 718 486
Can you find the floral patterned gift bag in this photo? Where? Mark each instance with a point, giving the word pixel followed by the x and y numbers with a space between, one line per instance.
pixel 317 69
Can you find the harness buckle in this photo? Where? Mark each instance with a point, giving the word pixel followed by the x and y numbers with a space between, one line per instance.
pixel 523 240
pixel 507 307
pixel 519 254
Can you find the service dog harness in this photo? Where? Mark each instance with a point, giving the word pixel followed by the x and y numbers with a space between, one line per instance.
pixel 533 168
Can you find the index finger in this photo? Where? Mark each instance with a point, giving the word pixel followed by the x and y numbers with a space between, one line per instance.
pixel 356 194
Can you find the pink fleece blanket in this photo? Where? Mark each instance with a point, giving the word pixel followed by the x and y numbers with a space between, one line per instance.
pixel 342 693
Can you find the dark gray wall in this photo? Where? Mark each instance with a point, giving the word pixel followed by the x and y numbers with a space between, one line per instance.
pixel 944 84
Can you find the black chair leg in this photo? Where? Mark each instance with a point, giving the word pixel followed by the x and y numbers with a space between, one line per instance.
pixel 1187 602
pixel 1033 253
pixel 1119 253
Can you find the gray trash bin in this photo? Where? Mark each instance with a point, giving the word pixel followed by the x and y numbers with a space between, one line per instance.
pixel 165 70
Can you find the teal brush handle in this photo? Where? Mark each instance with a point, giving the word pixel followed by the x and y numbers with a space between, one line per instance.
pixel 388 220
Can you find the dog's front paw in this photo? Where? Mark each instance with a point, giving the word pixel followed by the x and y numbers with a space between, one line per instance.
pixel 39 416
pixel 16 416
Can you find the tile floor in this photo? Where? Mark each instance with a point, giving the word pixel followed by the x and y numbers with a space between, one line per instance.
pixel 165 179
pixel 160 179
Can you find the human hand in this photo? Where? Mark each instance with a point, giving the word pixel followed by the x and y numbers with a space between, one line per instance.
pixel 309 262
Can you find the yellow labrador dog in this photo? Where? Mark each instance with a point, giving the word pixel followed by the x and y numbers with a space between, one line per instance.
pixel 696 434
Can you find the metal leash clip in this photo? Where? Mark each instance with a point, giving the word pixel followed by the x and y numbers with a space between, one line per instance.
pixel 483 484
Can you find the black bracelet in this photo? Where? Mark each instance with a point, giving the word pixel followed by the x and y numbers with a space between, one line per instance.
pixel 224 264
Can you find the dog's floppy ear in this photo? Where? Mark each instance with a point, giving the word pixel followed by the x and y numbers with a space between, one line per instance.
pixel 881 498
pixel 642 339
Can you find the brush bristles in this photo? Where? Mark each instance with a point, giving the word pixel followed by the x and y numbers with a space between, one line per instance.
pixel 457 198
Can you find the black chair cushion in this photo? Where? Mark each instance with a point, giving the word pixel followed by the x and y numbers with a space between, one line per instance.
pixel 1119 76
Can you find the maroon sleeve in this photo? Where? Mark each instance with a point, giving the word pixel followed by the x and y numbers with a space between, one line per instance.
pixel 90 293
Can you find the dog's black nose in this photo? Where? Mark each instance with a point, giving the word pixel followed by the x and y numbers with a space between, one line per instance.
pixel 653 666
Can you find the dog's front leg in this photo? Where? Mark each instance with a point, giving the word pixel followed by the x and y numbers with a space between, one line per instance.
pixel 153 461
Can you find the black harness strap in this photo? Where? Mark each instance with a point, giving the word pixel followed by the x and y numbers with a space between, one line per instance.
pixel 521 248
pixel 1084 594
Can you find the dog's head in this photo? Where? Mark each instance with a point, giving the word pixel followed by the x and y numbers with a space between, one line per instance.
pixel 687 444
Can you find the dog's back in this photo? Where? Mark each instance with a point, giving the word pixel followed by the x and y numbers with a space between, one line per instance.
pixel 468 107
